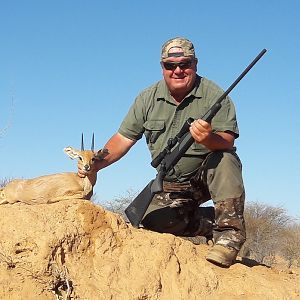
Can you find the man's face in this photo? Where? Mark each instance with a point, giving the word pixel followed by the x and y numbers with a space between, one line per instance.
pixel 179 74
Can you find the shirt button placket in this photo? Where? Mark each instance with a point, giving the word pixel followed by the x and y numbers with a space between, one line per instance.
pixel 175 129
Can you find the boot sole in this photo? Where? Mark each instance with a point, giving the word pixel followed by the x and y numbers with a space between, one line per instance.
pixel 218 258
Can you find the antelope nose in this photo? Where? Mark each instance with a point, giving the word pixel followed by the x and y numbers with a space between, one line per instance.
pixel 87 167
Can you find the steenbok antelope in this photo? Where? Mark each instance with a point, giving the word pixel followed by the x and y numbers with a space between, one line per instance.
pixel 56 187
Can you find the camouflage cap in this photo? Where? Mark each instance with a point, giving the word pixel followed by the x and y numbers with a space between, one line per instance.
pixel 187 48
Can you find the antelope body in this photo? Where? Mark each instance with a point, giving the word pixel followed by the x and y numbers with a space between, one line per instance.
pixel 55 187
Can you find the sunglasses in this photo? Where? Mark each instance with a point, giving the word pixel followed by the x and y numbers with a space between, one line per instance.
pixel 173 65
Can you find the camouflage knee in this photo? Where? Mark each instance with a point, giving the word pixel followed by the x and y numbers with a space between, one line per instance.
pixel 168 213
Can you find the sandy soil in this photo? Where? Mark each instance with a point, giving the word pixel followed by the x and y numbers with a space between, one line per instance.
pixel 77 250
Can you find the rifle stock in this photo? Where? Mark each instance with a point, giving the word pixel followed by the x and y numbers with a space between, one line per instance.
pixel 168 159
pixel 137 208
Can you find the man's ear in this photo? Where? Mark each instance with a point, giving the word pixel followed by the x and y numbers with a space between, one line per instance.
pixel 101 154
pixel 72 153
pixel 196 63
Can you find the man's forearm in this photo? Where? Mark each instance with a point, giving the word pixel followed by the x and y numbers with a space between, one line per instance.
pixel 117 147
pixel 219 141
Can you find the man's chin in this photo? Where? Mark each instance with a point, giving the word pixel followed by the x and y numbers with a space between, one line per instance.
pixel 179 88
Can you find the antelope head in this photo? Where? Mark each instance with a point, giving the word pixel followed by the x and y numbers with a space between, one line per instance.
pixel 86 157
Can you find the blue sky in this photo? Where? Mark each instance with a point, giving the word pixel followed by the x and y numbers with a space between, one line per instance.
pixel 76 66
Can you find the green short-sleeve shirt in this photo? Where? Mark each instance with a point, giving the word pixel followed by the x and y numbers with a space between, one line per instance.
pixel 156 115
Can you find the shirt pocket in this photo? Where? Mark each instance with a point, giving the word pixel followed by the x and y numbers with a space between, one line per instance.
pixel 153 129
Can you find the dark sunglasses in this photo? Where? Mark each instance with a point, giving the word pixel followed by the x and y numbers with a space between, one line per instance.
pixel 173 65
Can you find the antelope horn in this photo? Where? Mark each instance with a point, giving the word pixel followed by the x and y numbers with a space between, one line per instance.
pixel 82 144
pixel 93 142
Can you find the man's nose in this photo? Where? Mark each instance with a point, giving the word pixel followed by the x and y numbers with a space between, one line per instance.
pixel 178 70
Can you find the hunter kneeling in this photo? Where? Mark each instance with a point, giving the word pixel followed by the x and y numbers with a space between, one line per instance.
pixel 159 112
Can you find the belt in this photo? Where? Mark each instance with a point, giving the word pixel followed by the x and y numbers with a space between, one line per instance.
pixel 176 186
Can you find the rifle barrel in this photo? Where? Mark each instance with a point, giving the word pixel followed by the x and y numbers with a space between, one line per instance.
pixel 255 60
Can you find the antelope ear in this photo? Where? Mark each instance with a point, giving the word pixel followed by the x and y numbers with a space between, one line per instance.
pixel 72 153
pixel 101 154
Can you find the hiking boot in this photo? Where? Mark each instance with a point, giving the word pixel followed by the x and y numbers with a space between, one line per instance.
pixel 222 256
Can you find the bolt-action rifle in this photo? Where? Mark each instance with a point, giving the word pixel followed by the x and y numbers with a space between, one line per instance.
pixel 168 158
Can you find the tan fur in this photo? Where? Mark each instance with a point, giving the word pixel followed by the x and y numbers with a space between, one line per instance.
pixel 55 187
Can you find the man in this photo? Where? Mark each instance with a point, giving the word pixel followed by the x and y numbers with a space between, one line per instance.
pixel 210 169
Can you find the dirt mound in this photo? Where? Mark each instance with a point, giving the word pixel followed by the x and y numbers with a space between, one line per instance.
pixel 77 250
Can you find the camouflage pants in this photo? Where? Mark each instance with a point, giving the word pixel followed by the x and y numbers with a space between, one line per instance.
pixel 177 210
